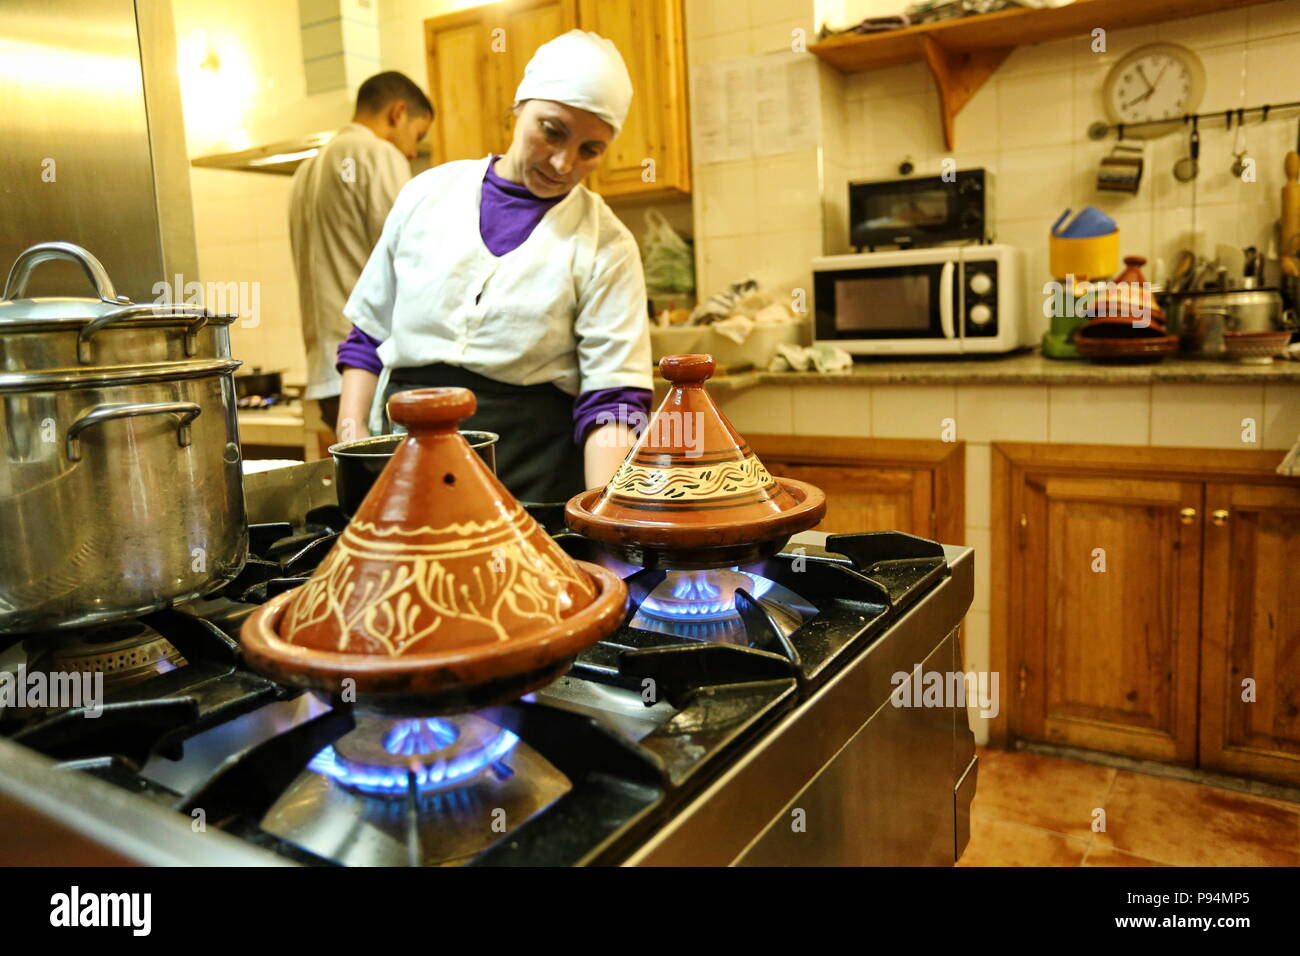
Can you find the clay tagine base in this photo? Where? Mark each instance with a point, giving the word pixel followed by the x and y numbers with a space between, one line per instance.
pixel 442 594
pixel 692 494
pixel 428 685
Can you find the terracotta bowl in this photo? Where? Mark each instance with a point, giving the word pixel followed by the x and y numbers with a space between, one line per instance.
pixel 1126 351
pixel 1255 348
pixel 718 544
pixel 455 681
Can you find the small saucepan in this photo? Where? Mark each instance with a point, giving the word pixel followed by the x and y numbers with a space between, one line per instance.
pixel 358 463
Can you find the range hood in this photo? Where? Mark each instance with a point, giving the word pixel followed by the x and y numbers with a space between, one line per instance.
pixel 282 158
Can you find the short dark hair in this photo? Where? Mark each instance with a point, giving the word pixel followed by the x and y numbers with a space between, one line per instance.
pixel 383 88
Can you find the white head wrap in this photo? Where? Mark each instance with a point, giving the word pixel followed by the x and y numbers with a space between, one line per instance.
pixel 582 70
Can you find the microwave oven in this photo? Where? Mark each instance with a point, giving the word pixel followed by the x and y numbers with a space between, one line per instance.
pixel 946 300
pixel 922 211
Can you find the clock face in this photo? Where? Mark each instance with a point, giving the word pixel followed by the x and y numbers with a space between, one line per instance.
pixel 1156 82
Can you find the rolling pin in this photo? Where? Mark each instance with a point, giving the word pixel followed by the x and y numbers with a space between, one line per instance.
pixel 1290 203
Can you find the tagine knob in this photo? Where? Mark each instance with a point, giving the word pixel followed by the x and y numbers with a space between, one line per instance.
pixel 432 409
pixel 686 369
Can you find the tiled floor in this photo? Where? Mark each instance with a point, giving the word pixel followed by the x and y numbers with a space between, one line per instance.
pixel 1032 810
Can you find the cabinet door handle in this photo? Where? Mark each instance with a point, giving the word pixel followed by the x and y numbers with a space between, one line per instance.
pixel 1187 515
pixel 1218 517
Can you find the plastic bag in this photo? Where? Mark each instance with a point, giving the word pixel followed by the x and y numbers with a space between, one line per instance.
pixel 666 257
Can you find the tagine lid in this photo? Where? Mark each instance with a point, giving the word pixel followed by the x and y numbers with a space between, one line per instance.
pixel 440 581
pixel 692 480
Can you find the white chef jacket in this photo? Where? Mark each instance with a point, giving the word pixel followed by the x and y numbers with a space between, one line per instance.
pixel 338 203
pixel 567 306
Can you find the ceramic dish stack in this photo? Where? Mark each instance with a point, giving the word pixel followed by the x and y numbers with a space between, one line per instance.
pixel 1127 325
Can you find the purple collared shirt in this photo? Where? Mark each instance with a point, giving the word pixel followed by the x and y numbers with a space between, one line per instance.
pixel 508 214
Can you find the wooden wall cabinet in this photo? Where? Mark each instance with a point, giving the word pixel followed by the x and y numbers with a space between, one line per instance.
pixel 1134 589
pixel 877 484
pixel 476 59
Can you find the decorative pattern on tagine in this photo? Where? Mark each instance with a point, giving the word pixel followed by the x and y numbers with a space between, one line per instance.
pixel 680 483
pixel 431 576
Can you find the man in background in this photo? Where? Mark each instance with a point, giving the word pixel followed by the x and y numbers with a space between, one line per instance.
pixel 339 201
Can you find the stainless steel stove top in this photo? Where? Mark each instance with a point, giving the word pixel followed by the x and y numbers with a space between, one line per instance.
pixel 761 736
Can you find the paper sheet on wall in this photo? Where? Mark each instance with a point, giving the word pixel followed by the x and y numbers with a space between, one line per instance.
pixel 755 106
pixel 785 103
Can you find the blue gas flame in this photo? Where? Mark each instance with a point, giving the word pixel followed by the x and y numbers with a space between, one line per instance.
pixel 416 738
pixel 702 598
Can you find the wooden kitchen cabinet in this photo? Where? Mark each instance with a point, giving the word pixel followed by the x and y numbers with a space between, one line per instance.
pixel 476 59
pixel 1109 588
pixel 876 484
pixel 651 156
pixel 1134 589
pixel 1250 631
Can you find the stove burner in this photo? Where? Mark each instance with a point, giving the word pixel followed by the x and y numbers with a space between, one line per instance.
pixel 127 653
pixel 701 605
pixel 697 596
pixel 442 753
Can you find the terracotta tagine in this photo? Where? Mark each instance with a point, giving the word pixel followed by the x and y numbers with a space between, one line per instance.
pixel 442 594
pixel 691 494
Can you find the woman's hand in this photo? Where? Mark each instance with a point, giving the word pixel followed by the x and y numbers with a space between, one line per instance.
pixel 604 451
pixel 354 404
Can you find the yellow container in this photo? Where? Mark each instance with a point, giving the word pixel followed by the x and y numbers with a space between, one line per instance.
pixel 1092 258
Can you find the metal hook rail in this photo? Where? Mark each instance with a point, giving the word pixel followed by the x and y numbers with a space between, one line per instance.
pixel 1101 130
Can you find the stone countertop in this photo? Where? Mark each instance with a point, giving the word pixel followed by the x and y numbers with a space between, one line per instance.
pixel 1026 368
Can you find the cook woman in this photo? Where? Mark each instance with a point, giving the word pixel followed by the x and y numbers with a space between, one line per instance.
pixel 506 276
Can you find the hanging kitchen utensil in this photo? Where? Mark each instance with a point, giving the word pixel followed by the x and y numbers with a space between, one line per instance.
pixel 1121 171
pixel 442 595
pixel 1185 169
pixel 691 494
pixel 1241 162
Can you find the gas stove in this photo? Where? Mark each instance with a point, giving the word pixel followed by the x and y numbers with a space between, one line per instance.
pixel 740 715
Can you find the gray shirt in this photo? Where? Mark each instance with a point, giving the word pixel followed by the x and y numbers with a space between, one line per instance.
pixel 338 204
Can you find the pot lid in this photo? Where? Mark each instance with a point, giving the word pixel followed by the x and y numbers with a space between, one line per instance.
pixel 48 313
pixel 440 584
pixel 104 375
pixel 692 482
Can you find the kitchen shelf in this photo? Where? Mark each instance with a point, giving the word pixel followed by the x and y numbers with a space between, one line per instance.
pixel 964 52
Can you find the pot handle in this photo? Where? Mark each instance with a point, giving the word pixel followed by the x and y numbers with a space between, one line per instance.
pixel 85 357
pixel 30 258
pixel 186 412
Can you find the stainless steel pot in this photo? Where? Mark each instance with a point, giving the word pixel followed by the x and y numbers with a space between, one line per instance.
pixel 120 491
pixel 1199 319
pixel 51 333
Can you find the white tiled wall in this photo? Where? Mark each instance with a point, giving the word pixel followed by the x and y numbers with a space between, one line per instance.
pixel 1028 124
pixel 241 222
pixel 761 217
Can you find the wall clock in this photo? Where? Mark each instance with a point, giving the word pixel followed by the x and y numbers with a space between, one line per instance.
pixel 1154 82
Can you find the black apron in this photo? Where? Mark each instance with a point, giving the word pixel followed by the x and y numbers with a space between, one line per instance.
pixel 536 458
